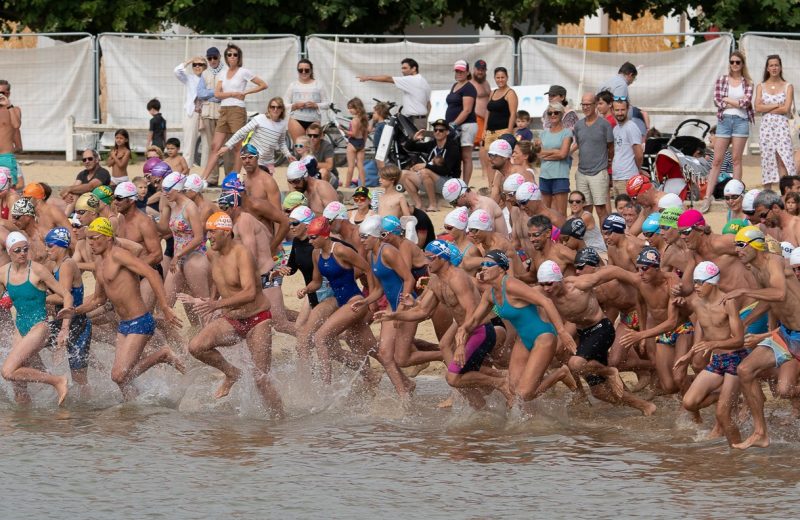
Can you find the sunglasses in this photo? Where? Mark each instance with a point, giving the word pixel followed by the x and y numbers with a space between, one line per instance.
pixel 359 198
pixel 87 159
pixel 275 107
pixel 439 130
pixel 735 62
pixel 643 268
pixel 198 64
pixel 312 136
pixel 580 201
pixel 19 250
pixel 295 223
pixel 212 58
pixel 729 198
pixel 487 265
pixel 303 71
pixel 232 54
pixel 764 215
pixel 553 113
pixel 313 237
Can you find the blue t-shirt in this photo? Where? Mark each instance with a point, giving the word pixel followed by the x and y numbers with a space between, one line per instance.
pixel 554 169
pixel 455 103
pixel 524 134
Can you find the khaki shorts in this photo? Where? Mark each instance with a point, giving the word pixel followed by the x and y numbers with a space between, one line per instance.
pixel 468 133
pixel 490 136
pixel 619 188
pixel 231 119
pixel 593 187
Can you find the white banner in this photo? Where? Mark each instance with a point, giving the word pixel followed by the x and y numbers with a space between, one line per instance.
pixel 341 62
pixel 48 84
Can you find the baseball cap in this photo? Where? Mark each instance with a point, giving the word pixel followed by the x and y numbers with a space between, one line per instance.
pixel 461 65
pixel 500 147
pixel 212 52
pixel 453 189
pixel 548 272
pixel 33 190
pixel 440 122
pixel 556 90
pixel 361 191
pixel 480 220
pixel 480 64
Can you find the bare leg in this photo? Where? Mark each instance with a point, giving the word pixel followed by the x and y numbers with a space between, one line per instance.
pixel 760 359
pixel 429 181
pixel 526 370
pixel 351 164
pixel 129 363
pixel 386 356
pixel 216 144
pixel 404 355
pixel 326 337
pixel 280 319
pixel 466 163
pixel 259 342
pixel 295 129
pixel 727 397
pixel 411 181
pixel 604 393
pixel 560 203
pixel 665 359
pixel 14 368
pixel 218 333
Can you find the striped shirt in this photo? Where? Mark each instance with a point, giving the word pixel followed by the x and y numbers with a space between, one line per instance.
pixel 268 137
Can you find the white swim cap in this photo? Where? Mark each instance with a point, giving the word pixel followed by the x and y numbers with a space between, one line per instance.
pixel 513 182
pixel 296 170
pixel 500 147
pixel 706 272
pixel 453 189
pixel 5 178
pixel 302 214
pixel 528 191
pixel 334 210
pixel 480 220
pixel 748 202
pixel 734 187
pixel 173 181
pixel 457 218
pixel 15 237
pixel 549 272
pixel 371 226
pixel 670 200
pixel 794 258
pixel 126 190
pixel 786 249
pixel 195 183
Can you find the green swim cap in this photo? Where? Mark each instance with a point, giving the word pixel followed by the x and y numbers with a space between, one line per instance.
pixel 669 217
pixel 733 226
pixel 294 199
pixel 104 193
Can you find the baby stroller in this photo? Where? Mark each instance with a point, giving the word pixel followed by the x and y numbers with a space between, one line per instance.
pixel 681 167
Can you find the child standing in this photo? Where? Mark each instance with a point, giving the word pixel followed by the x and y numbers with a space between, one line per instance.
pixel 157 135
pixel 119 156
pixel 174 157
pixel 522 131
pixel 356 142
pixel 392 201
pixel 379 116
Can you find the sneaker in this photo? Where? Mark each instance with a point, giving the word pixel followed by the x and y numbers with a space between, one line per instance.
pixel 704 206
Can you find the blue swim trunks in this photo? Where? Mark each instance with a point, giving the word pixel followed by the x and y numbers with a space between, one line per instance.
pixel 727 363
pixel 144 325
pixel 760 326
pixel 78 340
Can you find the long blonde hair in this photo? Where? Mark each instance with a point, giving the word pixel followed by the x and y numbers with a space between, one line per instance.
pixel 745 73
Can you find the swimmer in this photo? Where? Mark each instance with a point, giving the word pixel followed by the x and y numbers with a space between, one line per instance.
pixel 622 247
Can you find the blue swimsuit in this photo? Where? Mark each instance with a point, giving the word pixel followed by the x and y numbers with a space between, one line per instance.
pixel 343 281
pixel 80 331
pixel 525 319
pixel 391 282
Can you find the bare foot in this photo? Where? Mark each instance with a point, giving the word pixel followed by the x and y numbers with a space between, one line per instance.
pixel 432 208
pixel 225 388
pixel 643 380
pixel 649 409
pixel 506 391
pixel 171 358
pixel 447 403
pixel 759 440
pixel 716 431
pixel 62 387
pixel 414 370
pixel 568 379
pixel 615 382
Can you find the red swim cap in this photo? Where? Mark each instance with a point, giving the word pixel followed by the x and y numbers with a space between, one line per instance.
pixel 319 227
pixel 637 185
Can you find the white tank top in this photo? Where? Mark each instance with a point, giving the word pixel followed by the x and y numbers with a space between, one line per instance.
pixel 736 93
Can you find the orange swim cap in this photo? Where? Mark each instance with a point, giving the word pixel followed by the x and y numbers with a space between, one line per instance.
pixel 219 220
pixel 34 191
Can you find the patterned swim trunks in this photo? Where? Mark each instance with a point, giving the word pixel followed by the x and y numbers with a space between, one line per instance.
pixel 671 338
pixel 727 363
pixel 630 320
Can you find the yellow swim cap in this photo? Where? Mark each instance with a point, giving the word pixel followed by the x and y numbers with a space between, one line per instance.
pixel 753 237
pixel 103 226
pixel 88 202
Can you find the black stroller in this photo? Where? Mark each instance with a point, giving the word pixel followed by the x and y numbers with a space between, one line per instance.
pixel 398 131
pixel 677 164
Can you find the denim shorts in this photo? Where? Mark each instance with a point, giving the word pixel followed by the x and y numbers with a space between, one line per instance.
pixel 554 186
pixel 733 126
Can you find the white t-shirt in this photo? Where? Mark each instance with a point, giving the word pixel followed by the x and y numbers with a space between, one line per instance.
pixel 238 83
pixel 416 94
pixel 736 93
pixel 623 167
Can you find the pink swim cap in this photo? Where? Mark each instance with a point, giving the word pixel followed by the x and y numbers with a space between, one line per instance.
pixel 691 218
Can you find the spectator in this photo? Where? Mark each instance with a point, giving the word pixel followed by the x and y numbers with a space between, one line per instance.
pixel 604 100
pixel 558 94
pixel 484 90
pixel 209 112
pixel 10 137
pixel 323 153
pixel 523 159
pixel 380 113
pixel 523 123
pixel 594 138
pixel 173 157
pixel 268 135
pixel 789 184
pixel 618 85
pixel 628 149
pixel 443 162
pixel 157 135
pixel 191 106
pixel 501 114
pixel 119 156
pixel 306 98
pixel 92 176
pixel 461 114
pixel 416 102
pixel 356 142
pixel 554 175
pixel 774 99
pixel 792 203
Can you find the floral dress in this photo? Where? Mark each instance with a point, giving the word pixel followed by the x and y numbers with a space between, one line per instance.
pixel 774 138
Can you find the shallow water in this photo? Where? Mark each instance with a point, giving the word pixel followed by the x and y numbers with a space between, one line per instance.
pixel 174 453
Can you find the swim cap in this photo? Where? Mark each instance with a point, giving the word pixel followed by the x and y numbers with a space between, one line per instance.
pixel 232 182
pixel 649 256
pixel 614 223
pixel 574 227
pixel 480 220
pixel 392 224
pixel 786 249
pixel 457 218
pixel 173 181
pixel 528 191
pixel 555 233
pixel 5 178
pixel 794 258
pixel 58 236
pixel 371 226
pixel 14 238
pixel 439 248
pixel 512 183
pixel 34 191
pixel 733 187
pixel 453 189
pixel 148 165
pixel 748 202
pixel 23 206
pixel 248 149
pixel 320 227
pixel 669 217
pixel 229 199
pixel 549 272
pixel 637 185
pixel 296 170
pixel 587 256
pixel 691 218
pixel 706 272
pixel 302 214
pixel 88 202
pixel 733 226
pixel 294 199
pixel 160 170
pixel 195 183
pixel 651 223
pixel 499 257
pixel 219 220
pixel 670 200
pixel 126 190
pixel 103 194
pixel 335 210
pixel 753 237
pixel 103 226
pixel 501 148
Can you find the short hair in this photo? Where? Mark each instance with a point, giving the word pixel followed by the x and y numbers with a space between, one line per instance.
pixel 767 199
pixel 314 126
pixel 412 63
pixel 390 172
pixel 628 68
pixel 605 96
pixel 622 197
pixel 139 180
pixel 786 182
pixel 94 153
pixel 153 104
pixel 523 114
pixel 382 109
pixel 174 141
pixel 625 101
pixel 4 82
pixel 540 221
pixel 48 190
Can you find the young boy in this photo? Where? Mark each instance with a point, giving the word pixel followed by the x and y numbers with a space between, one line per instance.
pixel 391 201
pixel 174 157
pixel 522 131
pixel 144 191
pixel 157 135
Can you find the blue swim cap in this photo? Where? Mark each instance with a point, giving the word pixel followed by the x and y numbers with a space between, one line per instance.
pixel 58 237
pixel 249 149
pixel 392 225
pixel 651 223
pixel 439 248
pixel 455 254
pixel 228 199
pixel 231 183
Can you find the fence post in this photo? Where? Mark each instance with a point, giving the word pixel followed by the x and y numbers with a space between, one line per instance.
pixel 69 144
